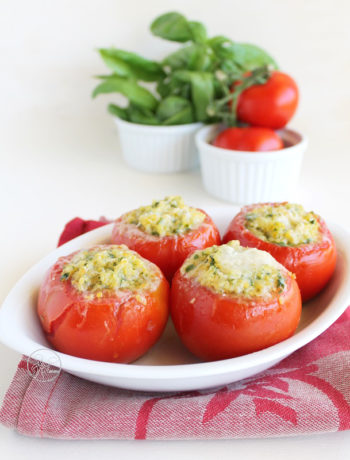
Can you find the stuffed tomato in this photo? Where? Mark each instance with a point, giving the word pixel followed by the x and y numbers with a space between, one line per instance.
pixel 299 240
pixel 228 301
pixel 166 232
pixel 106 303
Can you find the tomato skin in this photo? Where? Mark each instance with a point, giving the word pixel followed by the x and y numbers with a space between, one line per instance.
pixel 215 326
pixel 270 105
pixel 113 328
pixel 313 264
pixel 249 138
pixel 168 252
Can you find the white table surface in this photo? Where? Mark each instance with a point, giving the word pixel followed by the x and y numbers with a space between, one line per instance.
pixel 60 154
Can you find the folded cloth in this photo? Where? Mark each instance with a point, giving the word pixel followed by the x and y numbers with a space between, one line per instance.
pixel 306 393
pixel 78 226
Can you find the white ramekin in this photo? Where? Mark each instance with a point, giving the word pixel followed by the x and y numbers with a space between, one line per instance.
pixel 250 177
pixel 158 149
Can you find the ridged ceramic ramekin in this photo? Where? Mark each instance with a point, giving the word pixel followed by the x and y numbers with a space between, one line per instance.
pixel 158 149
pixel 250 177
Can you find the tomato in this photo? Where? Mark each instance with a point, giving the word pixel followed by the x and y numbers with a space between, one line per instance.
pixel 167 252
pixel 215 326
pixel 251 139
pixel 270 105
pixel 313 263
pixel 118 327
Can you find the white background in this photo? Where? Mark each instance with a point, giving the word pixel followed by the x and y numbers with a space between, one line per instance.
pixel 60 153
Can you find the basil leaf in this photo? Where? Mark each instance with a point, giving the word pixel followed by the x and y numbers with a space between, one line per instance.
pixel 163 88
pixel 250 56
pixel 232 67
pixel 172 26
pixel 175 27
pixel 183 75
pixel 202 90
pixel 175 110
pixel 185 91
pixel 193 57
pixel 136 94
pixel 118 111
pixel 198 32
pixel 239 56
pixel 183 117
pixel 169 87
pixel 182 58
pixel 126 64
pixel 141 116
pixel 203 59
pixel 174 87
pixel 222 47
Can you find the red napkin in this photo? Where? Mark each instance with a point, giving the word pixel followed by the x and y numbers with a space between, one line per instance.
pixel 78 226
pixel 307 393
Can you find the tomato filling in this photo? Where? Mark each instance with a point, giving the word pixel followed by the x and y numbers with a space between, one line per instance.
pixel 284 224
pixel 109 268
pixel 233 269
pixel 166 217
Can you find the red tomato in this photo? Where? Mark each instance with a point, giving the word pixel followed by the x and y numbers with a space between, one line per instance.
pixel 313 263
pixel 118 327
pixel 270 105
pixel 168 252
pixel 250 139
pixel 214 326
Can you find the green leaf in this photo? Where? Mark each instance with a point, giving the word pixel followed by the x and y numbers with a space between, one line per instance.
pixel 203 59
pixel 173 87
pixel 175 110
pixel 175 27
pixel 118 111
pixel 202 87
pixel 163 88
pixel 136 94
pixel 126 64
pixel 115 64
pixel 192 57
pixel 183 117
pixel 222 47
pixel 185 91
pixel 239 56
pixel 232 67
pixel 198 32
pixel 181 58
pixel 172 26
pixel 141 116
pixel 202 90
pixel 183 75
pixel 250 56
pixel 169 87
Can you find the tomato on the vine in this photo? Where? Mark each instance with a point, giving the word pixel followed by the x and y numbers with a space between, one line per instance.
pixel 270 105
pixel 250 139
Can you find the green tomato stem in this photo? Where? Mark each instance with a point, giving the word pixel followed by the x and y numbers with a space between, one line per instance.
pixel 258 76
